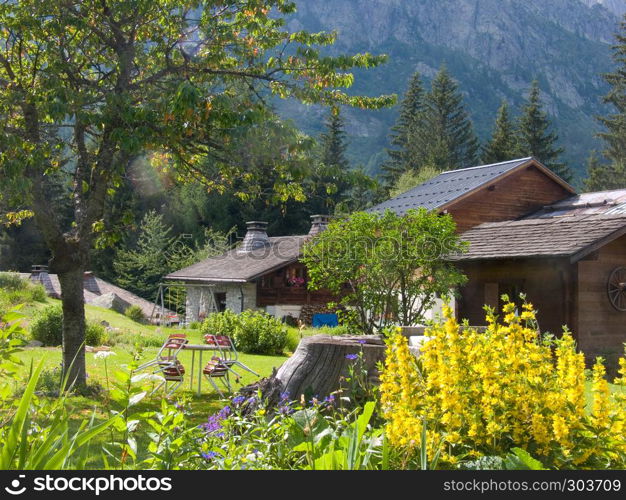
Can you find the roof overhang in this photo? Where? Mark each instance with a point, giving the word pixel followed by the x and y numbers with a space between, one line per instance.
pixel 205 279
pixel 581 254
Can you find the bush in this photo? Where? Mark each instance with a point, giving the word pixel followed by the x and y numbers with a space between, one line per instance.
pixel 487 393
pixel 47 327
pixel 11 281
pixel 135 313
pixel 95 334
pixel 252 332
pixel 15 290
pixel 223 323
pixel 260 333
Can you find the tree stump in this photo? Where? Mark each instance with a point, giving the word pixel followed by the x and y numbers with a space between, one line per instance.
pixel 318 366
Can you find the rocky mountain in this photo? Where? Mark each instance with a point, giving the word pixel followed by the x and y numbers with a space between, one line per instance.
pixel 494 48
pixel 616 6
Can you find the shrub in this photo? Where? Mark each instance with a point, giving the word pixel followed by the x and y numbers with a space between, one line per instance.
pixel 135 313
pixel 260 333
pixel 15 290
pixel 252 331
pixel 95 334
pixel 11 281
pixel 483 394
pixel 195 325
pixel 223 323
pixel 47 327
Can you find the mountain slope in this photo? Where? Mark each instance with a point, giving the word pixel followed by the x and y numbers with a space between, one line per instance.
pixel 494 48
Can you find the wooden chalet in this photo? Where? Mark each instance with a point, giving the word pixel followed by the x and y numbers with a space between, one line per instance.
pixel 530 233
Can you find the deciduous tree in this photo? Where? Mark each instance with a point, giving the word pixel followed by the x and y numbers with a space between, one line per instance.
pixel 387 269
pixel 87 87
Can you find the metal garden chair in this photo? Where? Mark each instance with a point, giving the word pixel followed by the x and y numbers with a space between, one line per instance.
pixel 227 353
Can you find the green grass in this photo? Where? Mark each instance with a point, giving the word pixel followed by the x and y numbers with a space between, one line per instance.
pixel 131 340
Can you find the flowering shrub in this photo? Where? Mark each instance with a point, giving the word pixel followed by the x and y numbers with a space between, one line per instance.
pixel 483 394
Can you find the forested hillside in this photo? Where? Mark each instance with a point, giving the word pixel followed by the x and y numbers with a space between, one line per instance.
pixel 494 48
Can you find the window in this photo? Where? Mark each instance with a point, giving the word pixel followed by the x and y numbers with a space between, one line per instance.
pixel 220 301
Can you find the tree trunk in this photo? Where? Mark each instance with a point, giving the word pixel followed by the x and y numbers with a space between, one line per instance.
pixel 319 366
pixel 73 300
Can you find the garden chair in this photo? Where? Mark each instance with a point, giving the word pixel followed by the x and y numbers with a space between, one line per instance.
pixel 168 353
pixel 216 370
pixel 227 353
pixel 172 371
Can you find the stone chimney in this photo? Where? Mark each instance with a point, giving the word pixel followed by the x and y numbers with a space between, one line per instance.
pixel 256 237
pixel 37 269
pixel 318 224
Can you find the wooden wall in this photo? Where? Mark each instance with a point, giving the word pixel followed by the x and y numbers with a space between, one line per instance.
pixel 601 328
pixel 273 290
pixel 511 197
pixel 548 284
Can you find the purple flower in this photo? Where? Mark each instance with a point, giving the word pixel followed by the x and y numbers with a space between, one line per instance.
pixel 210 455
pixel 238 400
pixel 285 410
pixel 362 341
pixel 352 356
pixel 214 423
pixel 329 400
pixel 284 396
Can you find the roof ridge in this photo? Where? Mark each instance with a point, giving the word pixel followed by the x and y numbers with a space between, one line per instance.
pixel 489 165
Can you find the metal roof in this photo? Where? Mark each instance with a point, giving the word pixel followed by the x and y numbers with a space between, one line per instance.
pixel 600 202
pixel 448 186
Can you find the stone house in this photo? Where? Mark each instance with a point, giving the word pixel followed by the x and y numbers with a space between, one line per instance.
pixel 262 273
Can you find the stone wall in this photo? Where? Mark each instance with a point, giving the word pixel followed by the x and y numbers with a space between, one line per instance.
pixel 199 298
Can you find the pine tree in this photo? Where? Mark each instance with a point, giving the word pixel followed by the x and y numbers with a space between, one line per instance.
pixel 445 137
pixel 411 111
pixel 603 177
pixel 615 136
pixel 535 137
pixel 334 143
pixel 503 145
pixel 140 268
pixel 331 175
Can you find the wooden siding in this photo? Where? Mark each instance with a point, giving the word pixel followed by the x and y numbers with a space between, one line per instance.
pixel 547 284
pixel 601 328
pixel 273 289
pixel 511 197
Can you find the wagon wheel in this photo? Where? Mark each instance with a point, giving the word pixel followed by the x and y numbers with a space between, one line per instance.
pixel 616 288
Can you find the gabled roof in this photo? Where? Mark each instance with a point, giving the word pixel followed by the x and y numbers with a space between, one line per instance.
pixel 441 191
pixel 235 266
pixel 572 236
